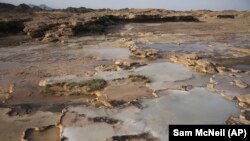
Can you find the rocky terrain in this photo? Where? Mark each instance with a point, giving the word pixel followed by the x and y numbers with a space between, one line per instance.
pixel 81 74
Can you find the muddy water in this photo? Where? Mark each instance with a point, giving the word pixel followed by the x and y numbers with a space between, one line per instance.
pixel 92 132
pixel 165 72
pixel 109 53
pixel 178 48
pixel 128 91
pixel 50 133
pixel 9 65
pixel 162 72
pixel 242 67
pixel 223 83
pixel 198 106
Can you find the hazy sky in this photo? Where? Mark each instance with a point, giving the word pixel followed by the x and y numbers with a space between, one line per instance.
pixel 167 4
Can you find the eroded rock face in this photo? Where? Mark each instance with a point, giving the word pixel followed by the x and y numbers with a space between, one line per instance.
pixel 63 23
pixel 38 29
pixel 196 62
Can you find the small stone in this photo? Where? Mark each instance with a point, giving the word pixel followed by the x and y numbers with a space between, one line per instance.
pixel 211 80
pixel 186 87
pixel 129 64
pixel 235 70
pixel 240 83
pixel 63 41
pixel 118 68
pixel 50 37
pixel 206 66
pixel 210 87
pixel 98 94
pixel 173 58
pixel 42 83
pixel 192 56
pixel 242 114
pixel 241 104
pixel 118 62
pixel 221 69
pixel 11 88
pixel 154 94
pixel 244 98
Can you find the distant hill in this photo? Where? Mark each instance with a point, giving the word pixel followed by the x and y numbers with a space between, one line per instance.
pixel 11 7
pixel 23 7
pixel 79 10
pixel 45 7
pixel 6 6
pixel 42 6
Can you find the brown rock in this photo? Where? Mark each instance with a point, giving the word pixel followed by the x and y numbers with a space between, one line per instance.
pixel 145 53
pixel 210 87
pixel 11 88
pixel 75 22
pixel 66 31
pixel 186 87
pixel 192 56
pixel 187 59
pixel 195 61
pixel 237 121
pixel 50 37
pixel 37 29
pixel 239 83
pixel 205 66
pixel 244 98
pixel 221 69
